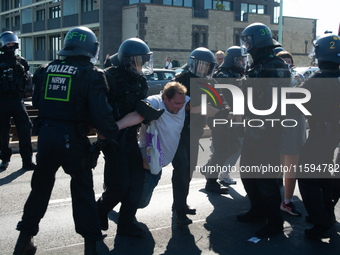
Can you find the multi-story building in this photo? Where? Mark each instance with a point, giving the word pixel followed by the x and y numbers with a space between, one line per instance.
pixel 169 27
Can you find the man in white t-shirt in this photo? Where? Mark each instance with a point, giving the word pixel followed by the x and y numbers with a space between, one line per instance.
pixel 169 126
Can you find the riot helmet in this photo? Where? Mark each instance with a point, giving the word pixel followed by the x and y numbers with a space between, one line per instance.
pixel 8 37
pixel 257 36
pixel 114 60
pixel 202 63
pixel 135 56
pixel 327 48
pixel 81 41
pixel 234 59
pixel 277 50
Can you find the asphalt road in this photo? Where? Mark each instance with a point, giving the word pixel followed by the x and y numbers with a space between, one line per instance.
pixel 215 229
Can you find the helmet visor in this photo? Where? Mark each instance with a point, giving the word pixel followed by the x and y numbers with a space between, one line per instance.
pixel 240 61
pixel 141 64
pixel 147 61
pixel 94 59
pixel 246 43
pixel 202 68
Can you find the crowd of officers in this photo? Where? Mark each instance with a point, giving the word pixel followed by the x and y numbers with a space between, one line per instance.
pixel 73 95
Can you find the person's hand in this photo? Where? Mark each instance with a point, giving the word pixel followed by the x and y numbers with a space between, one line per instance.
pixel 298 78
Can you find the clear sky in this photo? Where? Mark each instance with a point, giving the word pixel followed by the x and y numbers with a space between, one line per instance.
pixel 326 11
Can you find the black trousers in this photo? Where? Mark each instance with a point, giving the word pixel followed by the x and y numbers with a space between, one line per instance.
pixel 181 175
pixel 123 178
pixel 316 187
pixel 262 189
pixel 53 153
pixel 14 107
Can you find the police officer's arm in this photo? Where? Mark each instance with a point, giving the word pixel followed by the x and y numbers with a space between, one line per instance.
pixel 144 111
pixel 38 90
pixel 129 120
pixel 100 109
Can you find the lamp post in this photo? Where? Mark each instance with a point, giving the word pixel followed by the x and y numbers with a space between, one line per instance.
pixel 280 22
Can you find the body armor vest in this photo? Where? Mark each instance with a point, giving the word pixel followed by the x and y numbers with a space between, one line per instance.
pixel 125 92
pixel 63 91
pixel 13 77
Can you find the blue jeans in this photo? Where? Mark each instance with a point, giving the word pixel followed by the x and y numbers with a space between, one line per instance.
pixel 150 182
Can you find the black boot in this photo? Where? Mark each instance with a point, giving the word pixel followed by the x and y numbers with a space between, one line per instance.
pixel 25 245
pixel 90 247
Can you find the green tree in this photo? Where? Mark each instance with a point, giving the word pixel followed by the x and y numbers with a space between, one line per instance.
pixel 220 6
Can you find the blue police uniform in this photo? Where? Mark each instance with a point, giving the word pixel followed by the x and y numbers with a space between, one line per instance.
pixel 13 79
pixel 70 96
pixel 261 146
pixel 123 171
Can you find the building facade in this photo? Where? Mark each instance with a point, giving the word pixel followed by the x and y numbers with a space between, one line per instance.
pixel 169 27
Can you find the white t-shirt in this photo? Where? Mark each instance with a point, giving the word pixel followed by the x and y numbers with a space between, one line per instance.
pixel 168 65
pixel 169 127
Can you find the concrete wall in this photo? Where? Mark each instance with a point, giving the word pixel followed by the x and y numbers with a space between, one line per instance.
pixel 296 32
pixel 130 22
pixel 168 31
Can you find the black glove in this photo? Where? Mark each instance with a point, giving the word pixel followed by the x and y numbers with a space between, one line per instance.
pixel 146 110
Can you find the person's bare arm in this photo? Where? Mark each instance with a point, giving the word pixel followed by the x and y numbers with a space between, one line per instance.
pixel 129 120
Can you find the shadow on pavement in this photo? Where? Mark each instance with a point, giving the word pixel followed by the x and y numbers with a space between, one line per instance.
pixel 143 245
pixel 228 236
pixel 9 178
pixel 181 241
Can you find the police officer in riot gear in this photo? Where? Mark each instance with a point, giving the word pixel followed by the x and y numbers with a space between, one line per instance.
pixel 234 64
pixel 70 95
pixel 316 188
pixel 201 64
pixel 123 171
pixel 225 138
pixel 14 77
pixel 261 144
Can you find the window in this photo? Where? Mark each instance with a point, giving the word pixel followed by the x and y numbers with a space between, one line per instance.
pixel 7 22
pixel 199 36
pixel 139 1
pixel 55 12
pixel 16 3
pixel 177 2
pixel 211 4
pixel 244 11
pixel 7 5
pixel 40 15
pixel 40 43
pixel 207 4
pixel 251 8
pixel 17 21
pixel 276 14
pixel 227 5
pixel 55 46
pixel 261 9
pixel 186 3
pixel 87 5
